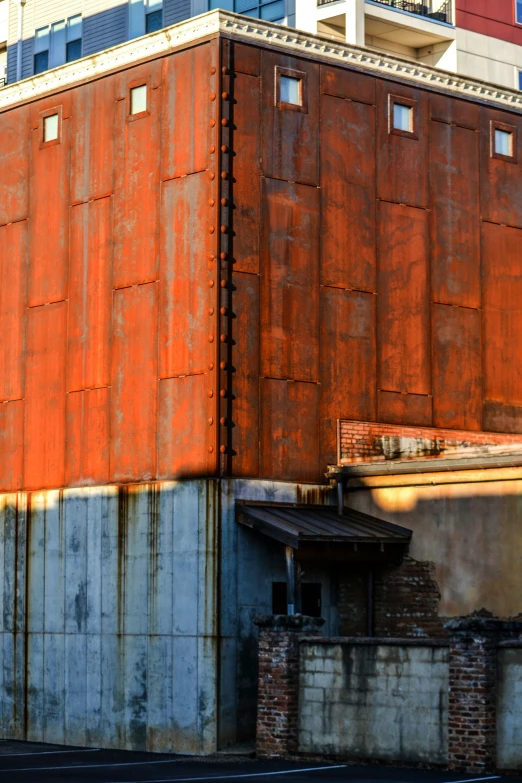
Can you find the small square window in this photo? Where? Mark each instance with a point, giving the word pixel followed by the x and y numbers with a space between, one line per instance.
pixel 50 128
pixel 290 90
pixel 138 99
pixel 503 143
pixel 403 117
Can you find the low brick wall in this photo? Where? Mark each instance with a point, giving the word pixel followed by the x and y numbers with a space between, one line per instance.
pixel 374 699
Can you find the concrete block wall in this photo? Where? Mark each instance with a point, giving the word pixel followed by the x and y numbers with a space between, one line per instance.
pixel 509 706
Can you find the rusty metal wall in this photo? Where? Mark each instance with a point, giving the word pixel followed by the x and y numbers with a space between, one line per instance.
pixel 375 274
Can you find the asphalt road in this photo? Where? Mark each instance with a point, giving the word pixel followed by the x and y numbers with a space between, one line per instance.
pixel 32 763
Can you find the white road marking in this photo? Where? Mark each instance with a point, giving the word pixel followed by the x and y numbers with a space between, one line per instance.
pixel 92 766
pixel 249 775
pixel 49 753
pixel 472 780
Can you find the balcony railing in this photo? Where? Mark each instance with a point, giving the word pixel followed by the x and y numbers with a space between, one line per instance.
pixel 429 9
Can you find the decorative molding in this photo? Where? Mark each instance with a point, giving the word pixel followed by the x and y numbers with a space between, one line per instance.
pixel 262 33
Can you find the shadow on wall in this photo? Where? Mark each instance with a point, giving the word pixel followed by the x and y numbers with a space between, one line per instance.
pixel 100 31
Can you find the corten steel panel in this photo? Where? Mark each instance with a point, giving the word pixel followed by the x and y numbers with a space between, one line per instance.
pixel 457 367
pixel 347 194
pixel 49 209
pixel 498 417
pixel 289 281
pixel 502 297
pixel 137 184
pixel 455 111
pixel 14 164
pixel 247 59
pixel 290 139
pixel 402 161
pixel 185 431
pixel 247 173
pixel 134 383
pixel 500 180
pixel 187 331
pixel 347 84
pixel 403 312
pixel 93 136
pixel 88 437
pixel 245 384
pixel 11 445
pixel 289 441
pixel 90 296
pixel 348 363
pixel 411 409
pixel 454 216
pixel 13 282
pixel 187 85
pixel 44 425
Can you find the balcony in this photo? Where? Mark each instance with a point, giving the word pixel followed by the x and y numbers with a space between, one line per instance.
pixel 431 9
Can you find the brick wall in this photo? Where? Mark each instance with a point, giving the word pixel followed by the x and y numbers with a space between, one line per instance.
pixel 363 441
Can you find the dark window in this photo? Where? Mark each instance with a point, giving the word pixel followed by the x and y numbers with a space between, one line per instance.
pixel 74 50
pixel 41 62
pixel 518 9
pixel 279 605
pixel 311 599
pixel 154 21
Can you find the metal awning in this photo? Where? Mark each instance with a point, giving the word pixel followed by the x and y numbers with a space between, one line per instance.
pixel 296 525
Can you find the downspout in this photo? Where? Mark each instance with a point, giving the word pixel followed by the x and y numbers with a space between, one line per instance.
pixel 20 35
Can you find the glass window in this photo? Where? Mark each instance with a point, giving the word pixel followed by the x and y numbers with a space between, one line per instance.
pixel 138 99
pixel 41 50
pixel 50 128
pixel 58 44
pixel 402 117
pixel 503 143
pixel 290 90
pixel 520 80
pixel 154 21
pixel 518 11
pixel 74 50
pixel 260 9
pixel 41 62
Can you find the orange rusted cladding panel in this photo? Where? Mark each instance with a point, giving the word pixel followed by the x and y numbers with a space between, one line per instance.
pixel 498 417
pixel 347 84
pixel 500 180
pixel 348 362
pixel 402 161
pixel 49 206
pixel 290 139
pixel 87 433
pixel 455 215
pixel 289 281
pixel 455 111
pixel 90 296
pixel 44 426
pixel 457 367
pixel 187 331
pixel 397 408
pixel 289 430
pixel 14 164
pixel 186 428
pixel 93 136
pixel 11 445
pixel 247 59
pixel 403 313
pixel 187 85
pixel 347 194
pixel 245 359
pixel 502 287
pixel 134 383
pixel 13 282
pixel 137 180
pixel 247 172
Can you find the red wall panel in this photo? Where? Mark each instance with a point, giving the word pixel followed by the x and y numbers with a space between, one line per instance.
pixel 455 210
pixel 289 281
pixel 13 282
pixel 500 180
pixel 134 383
pixel 137 183
pixel 400 408
pixel 347 194
pixel 44 426
pixel 348 84
pixel 14 164
pixel 247 59
pixel 88 437
pixel 462 113
pixel 494 19
pixel 11 445
pixel 403 314
pixel 457 367
pixel 187 330
pixel 90 296
pixel 498 417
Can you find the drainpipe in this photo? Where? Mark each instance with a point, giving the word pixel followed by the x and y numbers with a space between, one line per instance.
pixel 340 497
pixel 290 580
pixel 21 6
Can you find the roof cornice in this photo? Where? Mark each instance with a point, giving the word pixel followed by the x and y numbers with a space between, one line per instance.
pixel 262 33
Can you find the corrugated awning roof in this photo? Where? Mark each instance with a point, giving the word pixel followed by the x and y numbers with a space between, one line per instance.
pixel 294 524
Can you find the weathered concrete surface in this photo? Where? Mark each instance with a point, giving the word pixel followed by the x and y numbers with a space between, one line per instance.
pixel 509 708
pixel 108 629
pixel 380 701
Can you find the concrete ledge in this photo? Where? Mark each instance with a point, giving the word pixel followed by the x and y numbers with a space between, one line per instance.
pixel 289 622
pixel 374 641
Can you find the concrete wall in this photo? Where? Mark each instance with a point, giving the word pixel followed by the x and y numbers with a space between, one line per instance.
pixel 509 708
pixel 374 700
pixel 107 635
